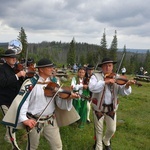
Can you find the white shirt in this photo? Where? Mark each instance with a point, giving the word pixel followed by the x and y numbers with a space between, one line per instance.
pixel 98 86
pixel 123 70
pixel 77 86
pixel 37 101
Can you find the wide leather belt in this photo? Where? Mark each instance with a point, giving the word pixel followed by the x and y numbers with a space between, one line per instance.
pixel 44 118
pixel 109 107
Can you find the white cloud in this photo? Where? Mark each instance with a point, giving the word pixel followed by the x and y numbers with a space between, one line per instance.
pixel 61 20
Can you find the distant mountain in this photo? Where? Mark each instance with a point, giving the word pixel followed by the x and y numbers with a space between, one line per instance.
pixel 4 45
pixel 135 50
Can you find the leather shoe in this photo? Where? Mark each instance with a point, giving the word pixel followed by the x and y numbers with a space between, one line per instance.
pixel 88 121
pixel 107 147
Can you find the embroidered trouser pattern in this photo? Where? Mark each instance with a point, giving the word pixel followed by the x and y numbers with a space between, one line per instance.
pixel 10 135
pixel 110 121
pixel 50 132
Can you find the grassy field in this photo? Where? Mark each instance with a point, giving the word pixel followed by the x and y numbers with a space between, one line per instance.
pixel 133 127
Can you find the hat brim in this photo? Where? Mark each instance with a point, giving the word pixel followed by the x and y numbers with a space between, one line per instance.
pixel 11 56
pixel 91 68
pixel 106 62
pixel 43 66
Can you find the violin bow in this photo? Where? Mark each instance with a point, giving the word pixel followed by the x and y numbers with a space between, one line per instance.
pixel 120 63
pixel 49 103
pixel 46 106
pixel 26 59
pixel 96 67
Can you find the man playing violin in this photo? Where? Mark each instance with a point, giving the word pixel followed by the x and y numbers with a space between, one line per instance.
pixel 9 87
pixel 105 102
pixel 37 111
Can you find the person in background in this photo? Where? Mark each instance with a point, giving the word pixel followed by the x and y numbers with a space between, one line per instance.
pixel 75 68
pixel 54 78
pixel 105 92
pixel 9 88
pixel 89 73
pixel 141 72
pixel 123 70
pixel 78 84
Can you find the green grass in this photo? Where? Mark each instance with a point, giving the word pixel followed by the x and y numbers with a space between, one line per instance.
pixel 133 131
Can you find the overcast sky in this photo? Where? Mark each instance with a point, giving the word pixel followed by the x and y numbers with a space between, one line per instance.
pixel 85 20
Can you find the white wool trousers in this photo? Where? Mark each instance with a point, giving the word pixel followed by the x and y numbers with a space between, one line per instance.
pixel 50 132
pixel 102 136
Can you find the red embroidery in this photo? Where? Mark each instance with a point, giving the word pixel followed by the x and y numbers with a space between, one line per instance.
pixel 95 137
pixel 30 87
pixel 94 101
pixel 11 139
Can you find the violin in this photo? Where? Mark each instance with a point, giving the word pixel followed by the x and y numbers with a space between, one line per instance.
pixel 18 67
pixel 30 70
pixel 120 80
pixel 63 92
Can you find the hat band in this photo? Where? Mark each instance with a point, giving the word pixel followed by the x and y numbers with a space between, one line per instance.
pixel 108 62
pixel 42 66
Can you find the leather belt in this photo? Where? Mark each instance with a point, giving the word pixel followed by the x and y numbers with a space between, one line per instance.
pixel 109 107
pixel 29 115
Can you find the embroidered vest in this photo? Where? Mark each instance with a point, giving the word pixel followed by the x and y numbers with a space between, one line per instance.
pixel 98 98
pixel 85 92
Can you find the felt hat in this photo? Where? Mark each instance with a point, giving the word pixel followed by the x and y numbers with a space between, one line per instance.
pixel 30 60
pixel 90 67
pixel 106 61
pixel 44 62
pixel 9 53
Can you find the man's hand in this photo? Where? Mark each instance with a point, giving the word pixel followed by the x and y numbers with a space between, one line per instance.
pixel 109 81
pixel 30 123
pixel 74 95
pixel 130 82
pixel 21 74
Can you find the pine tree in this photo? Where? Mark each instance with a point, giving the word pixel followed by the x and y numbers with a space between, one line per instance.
pixel 103 45
pixel 71 56
pixel 1 51
pixel 23 39
pixel 133 63
pixel 113 48
pixel 147 62
pixel 82 59
pixel 90 57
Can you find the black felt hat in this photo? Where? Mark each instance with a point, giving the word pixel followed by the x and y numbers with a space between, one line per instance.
pixel 44 62
pixel 106 61
pixel 90 67
pixel 9 53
